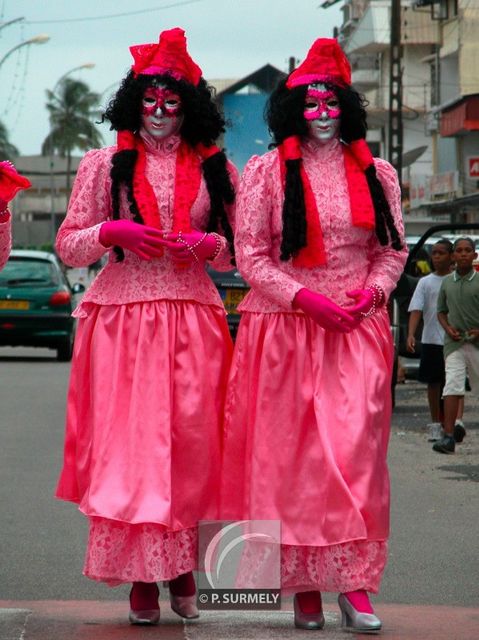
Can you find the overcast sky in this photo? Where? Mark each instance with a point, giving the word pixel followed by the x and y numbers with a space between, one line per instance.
pixel 227 38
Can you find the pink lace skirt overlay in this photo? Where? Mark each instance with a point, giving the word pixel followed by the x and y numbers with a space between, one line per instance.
pixel 119 552
pixel 337 568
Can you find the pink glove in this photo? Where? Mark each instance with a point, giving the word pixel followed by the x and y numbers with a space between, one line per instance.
pixel 367 301
pixel 324 311
pixel 195 246
pixel 10 183
pixel 138 238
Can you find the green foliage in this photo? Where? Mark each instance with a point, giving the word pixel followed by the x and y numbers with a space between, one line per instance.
pixel 72 109
pixel 7 150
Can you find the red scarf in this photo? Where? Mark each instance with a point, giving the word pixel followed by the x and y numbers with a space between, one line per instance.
pixel 357 157
pixel 187 181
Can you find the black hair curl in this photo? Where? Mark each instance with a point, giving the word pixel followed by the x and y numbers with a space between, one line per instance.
pixel 202 123
pixel 284 114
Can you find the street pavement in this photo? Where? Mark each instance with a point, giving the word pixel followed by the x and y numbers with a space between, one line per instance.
pixel 430 588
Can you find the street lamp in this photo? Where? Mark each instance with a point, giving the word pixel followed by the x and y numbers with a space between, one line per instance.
pixel 40 39
pixel 86 65
pixel 7 24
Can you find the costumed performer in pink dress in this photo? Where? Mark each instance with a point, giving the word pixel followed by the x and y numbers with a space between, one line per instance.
pixel 319 237
pixel 10 183
pixel 152 350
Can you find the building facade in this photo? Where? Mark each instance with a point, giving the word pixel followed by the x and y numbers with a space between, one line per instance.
pixel 39 211
pixel 440 111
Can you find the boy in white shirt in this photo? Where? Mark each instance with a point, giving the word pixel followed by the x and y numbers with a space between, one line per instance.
pixel 424 304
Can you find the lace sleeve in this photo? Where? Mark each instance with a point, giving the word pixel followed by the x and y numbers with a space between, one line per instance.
pixel 386 263
pixel 222 262
pixel 253 240
pixel 5 241
pixel 77 241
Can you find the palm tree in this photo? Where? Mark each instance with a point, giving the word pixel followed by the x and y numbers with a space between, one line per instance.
pixel 7 149
pixel 72 109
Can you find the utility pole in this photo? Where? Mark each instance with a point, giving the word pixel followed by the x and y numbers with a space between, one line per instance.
pixel 395 140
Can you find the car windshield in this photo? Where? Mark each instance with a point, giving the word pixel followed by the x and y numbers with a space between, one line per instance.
pixel 28 272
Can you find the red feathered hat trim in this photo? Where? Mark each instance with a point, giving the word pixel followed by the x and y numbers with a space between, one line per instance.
pixel 325 62
pixel 169 56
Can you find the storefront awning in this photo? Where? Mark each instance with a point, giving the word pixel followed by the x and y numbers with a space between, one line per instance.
pixel 461 117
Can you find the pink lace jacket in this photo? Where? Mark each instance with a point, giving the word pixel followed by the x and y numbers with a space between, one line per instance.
pixel 355 258
pixel 5 241
pixel 134 279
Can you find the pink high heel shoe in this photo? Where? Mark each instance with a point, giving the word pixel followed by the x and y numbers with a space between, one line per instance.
pixel 143 595
pixel 183 596
pixel 311 621
pixel 354 620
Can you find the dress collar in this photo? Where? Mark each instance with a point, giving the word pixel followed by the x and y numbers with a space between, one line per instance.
pixel 469 276
pixel 321 151
pixel 160 146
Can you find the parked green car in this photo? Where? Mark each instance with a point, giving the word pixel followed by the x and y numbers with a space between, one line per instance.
pixel 36 303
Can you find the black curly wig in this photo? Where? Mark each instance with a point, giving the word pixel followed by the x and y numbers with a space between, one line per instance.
pixel 202 123
pixel 284 114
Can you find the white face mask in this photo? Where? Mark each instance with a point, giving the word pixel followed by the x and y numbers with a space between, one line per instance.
pixel 322 113
pixel 161 116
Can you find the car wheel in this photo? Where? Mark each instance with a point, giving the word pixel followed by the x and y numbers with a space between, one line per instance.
pixel 65 350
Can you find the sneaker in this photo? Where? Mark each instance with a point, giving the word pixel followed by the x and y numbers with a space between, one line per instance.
pixel 435 431
pixel 459 431
pixel 446 444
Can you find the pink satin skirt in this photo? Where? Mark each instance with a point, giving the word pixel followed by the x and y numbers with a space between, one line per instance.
pixel 143 431
pixel 307 424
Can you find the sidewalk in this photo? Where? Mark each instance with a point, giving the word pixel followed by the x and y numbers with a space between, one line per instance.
pixel 90 620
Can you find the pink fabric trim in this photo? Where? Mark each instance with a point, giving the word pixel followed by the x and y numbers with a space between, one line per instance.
pixel 158 71
pixel 169 54
pixel 5 240
pixel 187 184
pixel 119 552
pixel 206 152
pixel 349 566
pixel 291 148
pixel 362 208
pixel 311 78
pixel 11 182
pixel 362 153
pixel 313 254
pixel 343 567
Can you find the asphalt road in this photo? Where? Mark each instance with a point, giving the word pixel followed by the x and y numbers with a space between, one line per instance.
pixel 434 557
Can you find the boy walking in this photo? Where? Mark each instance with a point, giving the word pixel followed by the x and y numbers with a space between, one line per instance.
pixel 424 305
pixel 458 314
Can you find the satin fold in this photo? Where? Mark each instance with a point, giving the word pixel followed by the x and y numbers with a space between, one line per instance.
pixel 309 447
pixel 144 413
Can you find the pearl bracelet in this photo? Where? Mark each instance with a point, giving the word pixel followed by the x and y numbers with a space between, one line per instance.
pixel 217 248
pixel 191 247
pixel 378 298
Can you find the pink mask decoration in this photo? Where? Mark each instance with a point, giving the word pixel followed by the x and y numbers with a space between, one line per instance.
pixel 161 98
pixel 319 102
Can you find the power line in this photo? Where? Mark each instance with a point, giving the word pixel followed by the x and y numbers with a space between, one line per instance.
pixel 115 15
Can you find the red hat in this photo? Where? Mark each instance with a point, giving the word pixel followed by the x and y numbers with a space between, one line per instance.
pixel 168 56
pixel 325 62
